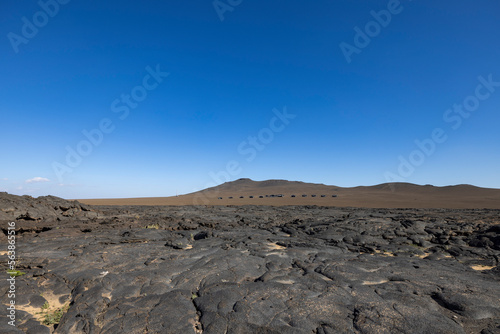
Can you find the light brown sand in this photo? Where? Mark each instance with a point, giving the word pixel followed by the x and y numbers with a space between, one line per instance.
pixel 39 313
pixel 481 267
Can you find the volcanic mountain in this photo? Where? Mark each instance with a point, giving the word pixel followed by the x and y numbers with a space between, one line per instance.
pixel 282 192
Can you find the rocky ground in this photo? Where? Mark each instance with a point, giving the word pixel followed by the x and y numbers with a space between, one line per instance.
pixel 250 269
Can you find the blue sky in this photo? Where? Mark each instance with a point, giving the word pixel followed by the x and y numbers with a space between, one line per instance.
pixel 257 89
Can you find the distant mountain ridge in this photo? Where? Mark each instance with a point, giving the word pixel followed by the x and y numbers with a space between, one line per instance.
pixel 247 184
pixel 245 191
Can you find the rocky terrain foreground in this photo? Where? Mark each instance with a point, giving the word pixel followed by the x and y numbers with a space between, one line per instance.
pixel 250 269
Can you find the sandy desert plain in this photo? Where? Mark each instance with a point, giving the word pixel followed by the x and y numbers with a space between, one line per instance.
pixel 398 258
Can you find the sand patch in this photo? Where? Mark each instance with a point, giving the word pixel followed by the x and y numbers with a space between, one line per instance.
pixel 370 270
pixel 481 267
pixel 384 253
pixel 106 295
pixel 279 254
pixel 275 246
pixel 53 305
pixel 381 281
pixel 423 255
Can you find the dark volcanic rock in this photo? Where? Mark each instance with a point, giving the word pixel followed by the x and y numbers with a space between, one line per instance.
pixel 252 269
pixel 45 207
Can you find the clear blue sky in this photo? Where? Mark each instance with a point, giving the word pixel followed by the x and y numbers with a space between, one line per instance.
pixel 353 116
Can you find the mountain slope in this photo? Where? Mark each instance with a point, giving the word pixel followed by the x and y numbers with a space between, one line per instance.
pixel 396 195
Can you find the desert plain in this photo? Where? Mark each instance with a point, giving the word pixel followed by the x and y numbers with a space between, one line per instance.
pixel 396 258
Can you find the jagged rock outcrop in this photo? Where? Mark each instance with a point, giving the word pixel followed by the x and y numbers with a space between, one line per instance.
pixel 14 207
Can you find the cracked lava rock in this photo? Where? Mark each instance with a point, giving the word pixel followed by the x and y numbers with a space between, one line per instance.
pixel 250 269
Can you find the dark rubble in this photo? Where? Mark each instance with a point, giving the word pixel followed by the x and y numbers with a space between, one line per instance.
pixel 253 269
